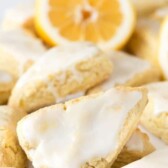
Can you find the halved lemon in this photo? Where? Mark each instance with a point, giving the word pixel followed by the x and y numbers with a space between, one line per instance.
pixel 108 23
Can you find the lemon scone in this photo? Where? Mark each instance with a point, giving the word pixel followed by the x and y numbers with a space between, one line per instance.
pixel 154 117
pixel 11 154
pixel 86 132
pixel 141 143
pixel 18 51
pixel 128 71
pixel 145 40
pixel 20 16
pixel 63 72
pixel 163 51
pixel 144 7
pixel 157 159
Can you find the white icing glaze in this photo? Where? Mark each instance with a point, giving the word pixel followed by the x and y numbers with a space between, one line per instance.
pixel 17 16
pixel 22 46
pixel 156 142
pixel 135 143
pixel 157 92
pixel 70 137
pixel 157 159
pixel 5 77
pixel 125 68
pixel 59 59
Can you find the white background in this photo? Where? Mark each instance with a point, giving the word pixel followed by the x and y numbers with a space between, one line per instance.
pixel 6 4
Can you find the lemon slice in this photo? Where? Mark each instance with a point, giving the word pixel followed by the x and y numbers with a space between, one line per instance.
pixel 108 23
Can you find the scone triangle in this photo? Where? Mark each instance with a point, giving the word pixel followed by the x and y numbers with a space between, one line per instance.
pixel 61 73
pixel 86 132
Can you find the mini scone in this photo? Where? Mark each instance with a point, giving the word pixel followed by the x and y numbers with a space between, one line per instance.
pixel 18 51
pixel 128 70
pixel 61 72
pixel 11 154
pixel 157 159
pixel 145 40
pixel 20 16
pixel 141 143
pixel 86 132
pixel 154 117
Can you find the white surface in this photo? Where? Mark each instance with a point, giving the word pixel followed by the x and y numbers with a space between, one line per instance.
pixel 6 4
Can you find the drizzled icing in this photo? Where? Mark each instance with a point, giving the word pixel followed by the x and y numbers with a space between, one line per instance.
pixel 21 46
pixel 68 137
pixel 157 92
pixel 125 68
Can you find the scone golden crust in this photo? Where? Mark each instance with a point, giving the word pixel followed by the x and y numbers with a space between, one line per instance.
pixel 128 70
pixel 145 40
pixel 157 159
pixel 154 117
pixel 62 71
pixel 11 154
pixel 18 51
pixel 78 133
pixel 139 145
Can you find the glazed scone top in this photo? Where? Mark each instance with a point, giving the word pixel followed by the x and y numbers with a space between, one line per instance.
pixel 71 134
pixel 17 16
pixel 21 45
pixel 157 92
pixel 157 159
pixel 59 59
pixel 125 68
